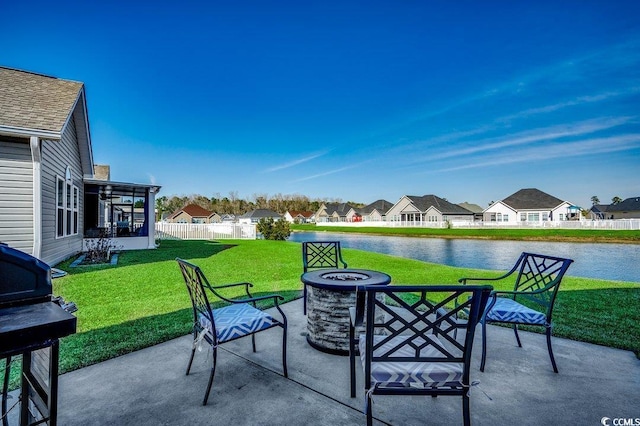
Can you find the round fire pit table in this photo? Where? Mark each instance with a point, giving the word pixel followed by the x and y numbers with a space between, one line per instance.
pixel 330 294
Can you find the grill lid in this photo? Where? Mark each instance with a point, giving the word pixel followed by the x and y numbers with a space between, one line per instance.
pixel 24 279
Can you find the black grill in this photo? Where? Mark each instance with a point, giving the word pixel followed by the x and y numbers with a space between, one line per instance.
pixel 31 322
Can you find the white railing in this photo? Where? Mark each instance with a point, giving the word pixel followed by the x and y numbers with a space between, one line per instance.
pixel 617 224
pixel 205 231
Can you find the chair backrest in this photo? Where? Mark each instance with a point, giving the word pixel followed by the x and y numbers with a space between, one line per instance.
pixel 422 324
pixel 540 276
pixel 196 282
pixel 321 254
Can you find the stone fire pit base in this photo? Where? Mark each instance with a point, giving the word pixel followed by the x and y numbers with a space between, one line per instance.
pixel 328 319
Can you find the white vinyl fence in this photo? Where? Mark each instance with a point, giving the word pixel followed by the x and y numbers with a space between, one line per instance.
pixel 617 224
pixel 205 231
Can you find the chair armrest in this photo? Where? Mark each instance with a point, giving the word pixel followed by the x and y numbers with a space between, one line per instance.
pixel 276 298
pixel 231 285
pixel 470 279
pixel 495 293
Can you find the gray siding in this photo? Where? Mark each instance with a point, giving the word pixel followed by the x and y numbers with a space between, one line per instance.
pixel 16 194
pixel 56 156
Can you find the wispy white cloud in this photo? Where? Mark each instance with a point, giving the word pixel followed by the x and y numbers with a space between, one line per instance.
pixel 559 150
pixel 538 135
pixel 330 172
pixel 581 100
pixel 296 162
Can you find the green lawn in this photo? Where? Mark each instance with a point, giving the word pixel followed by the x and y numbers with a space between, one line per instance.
pixel 143 301
pixel 576 235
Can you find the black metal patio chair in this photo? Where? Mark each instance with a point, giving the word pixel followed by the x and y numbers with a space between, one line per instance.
pixel 320 255
pixel 238 319
pixel 411 344
pixel 536 285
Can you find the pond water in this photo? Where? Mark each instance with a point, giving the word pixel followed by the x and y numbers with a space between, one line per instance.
pixel 620 262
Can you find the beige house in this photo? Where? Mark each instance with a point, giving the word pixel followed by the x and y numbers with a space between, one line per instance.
pixel 191 213
pixel 427 208
pixel 333 212
pixel 295 216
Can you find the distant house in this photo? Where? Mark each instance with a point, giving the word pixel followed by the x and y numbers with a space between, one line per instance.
pixel 627 209
pixel 228 218
pixel 333 212
pixel 296 216
pixel 476 209
pixel 52 195
pixel 214 218
pixel 427 208
pixel 374 212
pixel 257 214
pixel 530 205
pixel 598 211
pixel 191 213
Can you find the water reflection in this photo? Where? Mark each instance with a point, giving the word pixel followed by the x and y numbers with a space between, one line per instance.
pixel 605 261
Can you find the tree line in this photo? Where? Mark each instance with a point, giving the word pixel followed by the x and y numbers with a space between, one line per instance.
pixel 233 204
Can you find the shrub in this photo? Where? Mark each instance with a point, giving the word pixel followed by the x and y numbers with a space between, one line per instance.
pixel 274 230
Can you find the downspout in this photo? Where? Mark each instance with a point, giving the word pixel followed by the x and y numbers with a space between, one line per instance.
pixel 150 212
pixel 36 156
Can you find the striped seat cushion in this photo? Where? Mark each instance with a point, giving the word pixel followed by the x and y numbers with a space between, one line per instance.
pixel 421 374
pixel 237 320
pixel 508 310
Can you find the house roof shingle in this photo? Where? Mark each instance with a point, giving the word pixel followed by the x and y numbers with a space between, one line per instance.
pixel 474 208
pixel 34 101
pixel 382 206
pixel 340 208
pixel 193 210
pixel 424 202
pixel 531 198
pixel 305 214
pixel 629 205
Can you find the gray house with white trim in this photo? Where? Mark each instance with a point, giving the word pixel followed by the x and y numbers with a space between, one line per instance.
pixel 47 169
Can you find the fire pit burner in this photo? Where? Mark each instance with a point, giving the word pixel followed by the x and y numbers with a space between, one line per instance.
pixel 349 276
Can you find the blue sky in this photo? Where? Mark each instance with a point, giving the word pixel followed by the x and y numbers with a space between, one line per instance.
pixel 350 100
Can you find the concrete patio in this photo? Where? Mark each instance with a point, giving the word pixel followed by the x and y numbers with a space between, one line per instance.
pixel 149 387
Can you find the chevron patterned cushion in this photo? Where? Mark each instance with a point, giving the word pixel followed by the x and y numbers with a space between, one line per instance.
pixel 411 373
pixel 508 310
pixel 237 320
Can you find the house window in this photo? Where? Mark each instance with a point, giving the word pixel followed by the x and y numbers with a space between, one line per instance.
pixel 67 203
pixel 499 215
pixel 505 217
pixel 545 216
pixel 60 208
pixel 523 217
pixel 533 217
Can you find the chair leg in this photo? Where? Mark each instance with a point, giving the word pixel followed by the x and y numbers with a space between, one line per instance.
pixel 304 299
pixel 193 352
pixel 284 351
pixel 484 345
pixel 553 360
pixel 465 409
pixel 253 342
pixel 213 371
pixel 352 361
pixel 515 330
pixel 369 409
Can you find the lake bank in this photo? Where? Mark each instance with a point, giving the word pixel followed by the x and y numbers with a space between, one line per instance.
pixel 551 235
